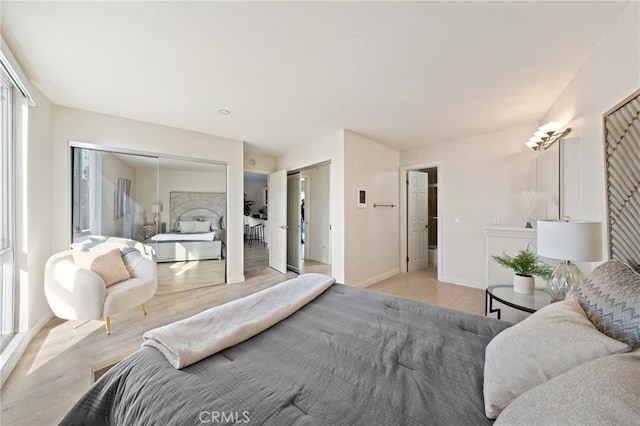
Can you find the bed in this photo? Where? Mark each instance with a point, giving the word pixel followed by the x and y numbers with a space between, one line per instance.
pixel 197 230
pixel 177 247
pixel 355 356
pixel 351 356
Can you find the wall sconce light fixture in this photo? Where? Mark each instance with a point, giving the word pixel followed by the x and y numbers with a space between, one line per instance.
pixel 547 135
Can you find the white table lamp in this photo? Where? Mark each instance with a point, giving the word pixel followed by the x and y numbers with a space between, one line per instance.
pixel 569 241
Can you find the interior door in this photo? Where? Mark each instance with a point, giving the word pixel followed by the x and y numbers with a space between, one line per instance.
pixel 294 221
pixel 277 210
pixel 417 221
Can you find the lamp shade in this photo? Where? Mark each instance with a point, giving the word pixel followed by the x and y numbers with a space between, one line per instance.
pixel 575 241
pixel 156 208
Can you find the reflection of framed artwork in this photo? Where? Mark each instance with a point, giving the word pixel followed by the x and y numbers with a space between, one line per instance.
pixel 265 196
pixel 622 170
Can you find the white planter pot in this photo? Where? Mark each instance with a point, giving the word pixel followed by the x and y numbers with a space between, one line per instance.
pixel 524 284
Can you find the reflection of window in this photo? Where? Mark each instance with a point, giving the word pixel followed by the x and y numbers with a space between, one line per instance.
pixel 7 224
pixel 81 190
pixel 122 198
pixel 87 172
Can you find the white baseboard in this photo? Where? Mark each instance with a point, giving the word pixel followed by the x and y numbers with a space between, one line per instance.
pixel 236 279
pixel 463 282
pixel 377 278
pixel 16 347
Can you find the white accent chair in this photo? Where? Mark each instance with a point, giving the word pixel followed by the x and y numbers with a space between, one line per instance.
pixel 80 294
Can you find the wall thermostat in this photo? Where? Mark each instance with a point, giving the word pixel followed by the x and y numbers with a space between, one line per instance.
pixel 362 198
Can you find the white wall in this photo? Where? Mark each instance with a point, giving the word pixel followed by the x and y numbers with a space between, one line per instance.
pixel 259 163
pixel 33 220
pixel 99 129
pixel 477 179
pixel 607 77
pixel 371 234
pixel 364 242
pixel 327 148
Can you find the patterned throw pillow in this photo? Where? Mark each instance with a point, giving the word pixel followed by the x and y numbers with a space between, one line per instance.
pixel 611 298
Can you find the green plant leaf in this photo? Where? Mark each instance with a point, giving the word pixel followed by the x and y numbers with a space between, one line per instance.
pixel 525 263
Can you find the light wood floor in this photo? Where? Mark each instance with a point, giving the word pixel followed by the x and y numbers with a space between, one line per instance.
pixel 57 367
pixel 179 276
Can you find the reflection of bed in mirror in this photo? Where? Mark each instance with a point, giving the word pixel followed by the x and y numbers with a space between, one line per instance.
pixel 196 228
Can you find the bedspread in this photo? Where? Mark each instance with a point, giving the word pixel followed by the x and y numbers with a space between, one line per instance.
pixel 351 356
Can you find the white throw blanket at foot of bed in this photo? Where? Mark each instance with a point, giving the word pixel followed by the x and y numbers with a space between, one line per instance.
pixel 192 339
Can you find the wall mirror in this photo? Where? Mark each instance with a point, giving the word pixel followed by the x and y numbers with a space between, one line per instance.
pixel 173 210
pixel 544 176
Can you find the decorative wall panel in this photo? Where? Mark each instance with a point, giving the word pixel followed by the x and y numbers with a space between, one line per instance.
pixel 622 167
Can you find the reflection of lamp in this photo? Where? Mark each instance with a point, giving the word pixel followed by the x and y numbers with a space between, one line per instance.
pixel 570 241
pixel 156 208
pixel 546 136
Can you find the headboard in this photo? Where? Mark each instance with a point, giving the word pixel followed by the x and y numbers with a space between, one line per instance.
pixel 203 206
pixel 622 168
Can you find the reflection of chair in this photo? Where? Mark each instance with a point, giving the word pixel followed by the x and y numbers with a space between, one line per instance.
pixel 246 228
pixel 93 241
pixel 81 294
pixel 256 230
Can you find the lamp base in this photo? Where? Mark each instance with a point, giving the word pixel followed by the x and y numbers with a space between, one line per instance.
pixel 565 278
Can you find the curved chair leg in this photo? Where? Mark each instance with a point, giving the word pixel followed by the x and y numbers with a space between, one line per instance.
pixel 144 309
pixel 107 324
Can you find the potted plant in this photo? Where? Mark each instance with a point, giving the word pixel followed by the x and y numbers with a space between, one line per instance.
pixel 525 265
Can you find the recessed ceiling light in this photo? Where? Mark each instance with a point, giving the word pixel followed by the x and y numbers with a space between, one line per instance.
pixel 224 111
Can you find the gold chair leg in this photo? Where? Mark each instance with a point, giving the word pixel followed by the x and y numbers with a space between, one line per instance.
pixel 107 324
pixel 144 309
pixel 75 324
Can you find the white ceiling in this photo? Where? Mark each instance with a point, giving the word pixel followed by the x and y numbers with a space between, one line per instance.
pixel 401 73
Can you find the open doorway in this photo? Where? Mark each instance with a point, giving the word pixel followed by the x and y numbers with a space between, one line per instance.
pixel 308 227
pixel 307 244
pixel 420 232
pixel 256 224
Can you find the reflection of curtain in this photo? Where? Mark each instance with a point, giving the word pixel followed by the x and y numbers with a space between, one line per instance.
pixel 121 198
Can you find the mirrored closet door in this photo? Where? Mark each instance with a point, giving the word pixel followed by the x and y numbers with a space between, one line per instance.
pixel 173 210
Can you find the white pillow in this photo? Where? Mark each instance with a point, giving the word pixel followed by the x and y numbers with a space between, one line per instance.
pixel 548 343
pixel 204 226
pixel 604 391
pixel 187 226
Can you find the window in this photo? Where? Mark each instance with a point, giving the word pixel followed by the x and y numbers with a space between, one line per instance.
pixel 7 226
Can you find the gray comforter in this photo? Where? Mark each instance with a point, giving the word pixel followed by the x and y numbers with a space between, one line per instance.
pixel 352 357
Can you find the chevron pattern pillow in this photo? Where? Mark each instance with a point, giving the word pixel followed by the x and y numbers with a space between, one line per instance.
pixel 611 298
